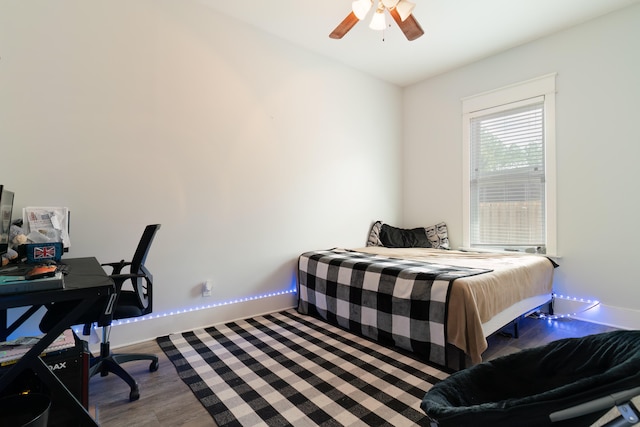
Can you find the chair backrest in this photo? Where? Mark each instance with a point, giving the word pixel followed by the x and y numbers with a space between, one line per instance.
pixel 140 256
pixel 141 285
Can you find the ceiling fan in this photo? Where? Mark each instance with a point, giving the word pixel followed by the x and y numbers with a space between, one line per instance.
pixel 400 11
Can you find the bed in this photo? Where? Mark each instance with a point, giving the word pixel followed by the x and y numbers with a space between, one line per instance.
pixel 424 300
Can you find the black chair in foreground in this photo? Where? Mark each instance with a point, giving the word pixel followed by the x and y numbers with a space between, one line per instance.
pixel 127 304
pixel 568 382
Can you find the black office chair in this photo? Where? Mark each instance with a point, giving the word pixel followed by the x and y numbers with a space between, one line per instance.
pixel 127 304
pixel 568 382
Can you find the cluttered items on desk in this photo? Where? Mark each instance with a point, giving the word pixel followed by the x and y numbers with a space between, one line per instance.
pixel 41 234
pixel 31 247
pixel 31 279
pixel 25 277
pixel 47 225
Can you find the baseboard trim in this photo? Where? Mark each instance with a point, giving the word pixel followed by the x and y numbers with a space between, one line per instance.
pixel 136 332
pixel 616 317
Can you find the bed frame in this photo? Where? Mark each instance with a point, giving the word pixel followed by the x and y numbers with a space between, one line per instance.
pixel 515 312
pixel 510 317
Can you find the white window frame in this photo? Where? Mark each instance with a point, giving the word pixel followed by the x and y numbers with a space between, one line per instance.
pixel 503 99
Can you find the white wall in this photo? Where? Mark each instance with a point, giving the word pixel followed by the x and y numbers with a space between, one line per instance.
pixel 598 147
pixel 248 150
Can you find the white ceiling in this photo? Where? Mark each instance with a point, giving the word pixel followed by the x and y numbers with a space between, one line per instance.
pixel 457 32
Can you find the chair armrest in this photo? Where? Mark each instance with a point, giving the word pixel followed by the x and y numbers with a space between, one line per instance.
pixel 116 266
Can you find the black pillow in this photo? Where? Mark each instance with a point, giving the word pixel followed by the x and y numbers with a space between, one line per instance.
pixel 393 237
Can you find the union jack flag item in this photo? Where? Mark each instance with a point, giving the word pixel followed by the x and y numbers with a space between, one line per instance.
pixel 45 252
pixel 37 252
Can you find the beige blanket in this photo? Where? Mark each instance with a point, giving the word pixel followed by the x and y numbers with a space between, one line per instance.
pixel 475 300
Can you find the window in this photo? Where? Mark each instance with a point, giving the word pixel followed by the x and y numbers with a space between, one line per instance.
pixel 509 168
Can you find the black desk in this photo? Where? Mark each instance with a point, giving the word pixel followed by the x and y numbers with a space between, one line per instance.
pixel 86 282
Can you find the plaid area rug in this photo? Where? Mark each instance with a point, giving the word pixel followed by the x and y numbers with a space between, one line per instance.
pixel 289 369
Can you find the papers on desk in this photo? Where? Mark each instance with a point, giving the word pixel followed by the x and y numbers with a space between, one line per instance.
pixel 18 284
pixel 11 351
pixel 47 224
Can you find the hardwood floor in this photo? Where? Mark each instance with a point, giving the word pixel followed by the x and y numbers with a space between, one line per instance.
pixel 166 401
pixel 536 332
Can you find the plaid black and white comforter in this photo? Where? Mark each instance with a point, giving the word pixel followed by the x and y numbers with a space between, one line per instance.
pixel 393 301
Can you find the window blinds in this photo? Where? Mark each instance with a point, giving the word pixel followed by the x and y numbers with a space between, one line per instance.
pixel 507 188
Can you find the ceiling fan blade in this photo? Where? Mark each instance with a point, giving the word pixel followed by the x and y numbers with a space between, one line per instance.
pixel 410 27
pixel 344 27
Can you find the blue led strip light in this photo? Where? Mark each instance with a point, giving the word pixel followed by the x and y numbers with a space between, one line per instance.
pixel 591 304
pixel 198 308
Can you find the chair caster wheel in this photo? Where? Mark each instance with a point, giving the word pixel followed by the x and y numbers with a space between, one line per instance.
pixel 134 394
pixel 153 366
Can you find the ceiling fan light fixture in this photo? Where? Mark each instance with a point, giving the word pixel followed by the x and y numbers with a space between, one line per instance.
pixel 405 8
pixel 361 8
pixel 400 11
pixel 378 22
pixel 390 4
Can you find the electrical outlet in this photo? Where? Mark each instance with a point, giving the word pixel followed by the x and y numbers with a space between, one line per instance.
pixel 206 288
